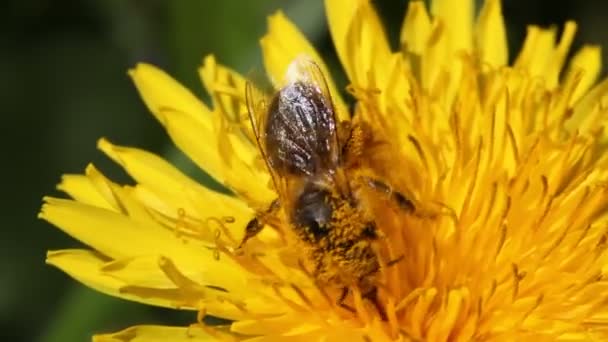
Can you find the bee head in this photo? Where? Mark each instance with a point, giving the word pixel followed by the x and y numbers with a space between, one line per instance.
pixel 313 213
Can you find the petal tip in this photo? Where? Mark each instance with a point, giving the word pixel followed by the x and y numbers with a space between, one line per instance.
pixel 103 143
pixel 109 150
pixel 137 69
pixel 41 214
pixel 278 15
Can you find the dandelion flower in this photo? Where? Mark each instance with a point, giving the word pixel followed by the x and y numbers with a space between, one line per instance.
pixel 506 163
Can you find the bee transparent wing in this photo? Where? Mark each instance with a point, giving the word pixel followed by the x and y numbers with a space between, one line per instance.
pixel 305 69
pixel 257 108
pixel 302 123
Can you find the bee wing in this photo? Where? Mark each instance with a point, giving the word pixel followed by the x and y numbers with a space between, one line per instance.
pixel 257 108
pixel 296 129
pixel 302 123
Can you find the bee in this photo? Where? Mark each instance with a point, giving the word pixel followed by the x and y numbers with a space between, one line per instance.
pixel 298 136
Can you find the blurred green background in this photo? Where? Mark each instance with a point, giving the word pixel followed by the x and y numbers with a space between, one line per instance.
pixel 64 84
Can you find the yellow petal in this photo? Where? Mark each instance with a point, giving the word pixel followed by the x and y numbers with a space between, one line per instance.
pixel 99 228
pixel 416 28
pixel 561 53
pixel 85 266
pixel 437 59
pixel 282 44
pixel 588 111
pixel 157 280
pixel 82 189
pixel 159 90
pixel 173 188
pixel 491 34
pixel 360 41
pixel 147 168
pixel 536 50
pixel 458 18
pixel 158 333
pixel 190 137
pixel 194 130
pixel 196 140
pixel 236 142
pixel 175 107
pixel 105 187
pixel 226 87
pixel 541 57
pixel 286 324
pixel 588 61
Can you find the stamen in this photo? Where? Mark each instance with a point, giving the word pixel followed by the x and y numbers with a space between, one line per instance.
pixel 178 278
pixel 507 208
pixel 492 144
pixel 513 143
pixel 289 302
pixel 547 206
pixel 523 169
pixel 301 294
pixel 229 91
pixel 408 334
pixel 391 315
pixel 180 224
pixel 517 277
pixel 237 304
pixel 474 177
pixel 501 241
pixel 216 288
pixel 492 289
pixel 491 203
pixel 569 224
pixel 184 225
pixel 200 315
pixel 566 154
pixel 419 151
pixel 228 219
pixel 602 242
pixel 200 324
pixel 582 236
pixel 539 300
pixel 454 122
pixel 221 228
pixel 319 288
pixel 261 266
pixel 219 246
pixel 414 294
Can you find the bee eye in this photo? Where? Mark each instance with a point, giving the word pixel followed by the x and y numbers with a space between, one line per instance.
pixel 313 214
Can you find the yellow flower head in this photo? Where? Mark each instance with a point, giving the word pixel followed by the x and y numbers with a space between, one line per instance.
pixel 502 170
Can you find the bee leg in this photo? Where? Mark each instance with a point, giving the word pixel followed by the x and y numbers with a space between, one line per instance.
pixel 408 205
pixel 342 298
pixel 252 229
pixel 256 224
pixel 372 296
pixel 395 261
pixel 400 199
pixel 343 295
